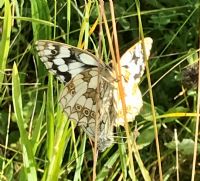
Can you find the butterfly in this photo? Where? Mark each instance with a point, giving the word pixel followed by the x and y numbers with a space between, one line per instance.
pixel 91 96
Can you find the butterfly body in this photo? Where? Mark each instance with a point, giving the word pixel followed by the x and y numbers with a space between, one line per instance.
pixel 91 94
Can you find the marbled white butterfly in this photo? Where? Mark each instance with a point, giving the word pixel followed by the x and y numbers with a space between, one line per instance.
pixel 85 78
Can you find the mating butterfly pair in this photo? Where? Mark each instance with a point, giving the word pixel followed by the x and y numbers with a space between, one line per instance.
pixel 91 94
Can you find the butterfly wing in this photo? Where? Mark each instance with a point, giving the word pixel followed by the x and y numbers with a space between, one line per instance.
pixel 132 69
pixel 63 60
pixel 81 103
pixel 132 61
pixel 83 75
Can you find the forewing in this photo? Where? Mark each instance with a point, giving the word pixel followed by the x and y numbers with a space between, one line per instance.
pixel 63 60
pixel 132 61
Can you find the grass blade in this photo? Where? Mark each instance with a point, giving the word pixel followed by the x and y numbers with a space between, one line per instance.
pixel 28 157
pixel 5 41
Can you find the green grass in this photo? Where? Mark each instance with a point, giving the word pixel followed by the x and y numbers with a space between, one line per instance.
pixel 38 142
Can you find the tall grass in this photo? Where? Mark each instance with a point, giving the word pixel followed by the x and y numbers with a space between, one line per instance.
pixel 37 140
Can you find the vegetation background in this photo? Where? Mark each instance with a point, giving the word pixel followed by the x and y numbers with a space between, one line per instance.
pixel 36 141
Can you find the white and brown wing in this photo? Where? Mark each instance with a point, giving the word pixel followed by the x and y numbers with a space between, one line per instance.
pixel 80 99
pixel 87 94
pixel 132 69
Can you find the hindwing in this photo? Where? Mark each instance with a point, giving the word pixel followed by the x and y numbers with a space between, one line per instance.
pixel 87 99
